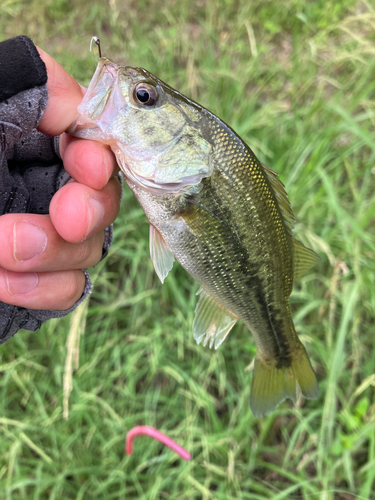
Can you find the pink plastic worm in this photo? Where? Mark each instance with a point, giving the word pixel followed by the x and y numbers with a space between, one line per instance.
pixel 154 433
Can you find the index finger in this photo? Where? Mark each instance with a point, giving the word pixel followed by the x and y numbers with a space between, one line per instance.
pixel 65 94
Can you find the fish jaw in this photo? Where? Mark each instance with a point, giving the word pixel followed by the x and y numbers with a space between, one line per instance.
pixel 102 102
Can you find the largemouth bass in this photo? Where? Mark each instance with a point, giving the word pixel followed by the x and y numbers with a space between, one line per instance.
pixel 214 207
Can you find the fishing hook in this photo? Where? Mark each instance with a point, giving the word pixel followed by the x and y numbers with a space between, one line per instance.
pixel 96 40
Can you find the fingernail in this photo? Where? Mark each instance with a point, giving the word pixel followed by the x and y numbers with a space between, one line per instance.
pixel 18 283
pixel 29 241
pixel 96 214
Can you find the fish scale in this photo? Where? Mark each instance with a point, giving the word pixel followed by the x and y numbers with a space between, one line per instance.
pixel 214 207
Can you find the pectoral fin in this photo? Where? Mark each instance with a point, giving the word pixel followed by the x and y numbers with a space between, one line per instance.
pixel 161 256
pixel 212 321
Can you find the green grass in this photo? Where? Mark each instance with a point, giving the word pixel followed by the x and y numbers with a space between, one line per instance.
pixel 296 80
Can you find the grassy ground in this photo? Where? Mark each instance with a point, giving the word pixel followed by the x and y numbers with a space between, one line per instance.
pixel 296 80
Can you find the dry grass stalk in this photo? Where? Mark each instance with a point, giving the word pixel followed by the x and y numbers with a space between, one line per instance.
pixel 77 328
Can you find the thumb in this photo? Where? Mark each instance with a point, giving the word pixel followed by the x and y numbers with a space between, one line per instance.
pixel 65 94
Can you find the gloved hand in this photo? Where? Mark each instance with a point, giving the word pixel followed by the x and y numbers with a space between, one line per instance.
pixel 52 226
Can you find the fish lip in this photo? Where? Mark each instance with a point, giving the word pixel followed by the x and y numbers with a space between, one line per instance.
pixel 105 67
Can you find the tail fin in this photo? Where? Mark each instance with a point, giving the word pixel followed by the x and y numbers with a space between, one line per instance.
pixel 272 385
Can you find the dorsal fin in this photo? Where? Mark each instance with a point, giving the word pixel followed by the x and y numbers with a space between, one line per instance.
pixel 282 198
pixel 303 258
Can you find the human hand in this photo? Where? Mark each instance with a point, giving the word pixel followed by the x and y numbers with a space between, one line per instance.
pixel 42 256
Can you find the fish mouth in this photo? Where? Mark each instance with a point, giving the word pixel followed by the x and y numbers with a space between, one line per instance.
pixel 101 98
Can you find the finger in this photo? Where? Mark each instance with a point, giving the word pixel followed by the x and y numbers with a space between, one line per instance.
pixel 30 242
pixel 78 211
pixel 88 162
pixel 64 96
pixel 49 291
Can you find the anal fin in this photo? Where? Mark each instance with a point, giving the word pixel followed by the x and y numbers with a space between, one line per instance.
pixel 303 259
pixel 212 321
pixel 161 256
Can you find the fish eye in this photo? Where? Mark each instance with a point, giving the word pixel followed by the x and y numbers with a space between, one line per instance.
pixel 145 94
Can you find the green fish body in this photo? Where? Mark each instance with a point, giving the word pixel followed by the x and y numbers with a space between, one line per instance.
pixel 214 207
